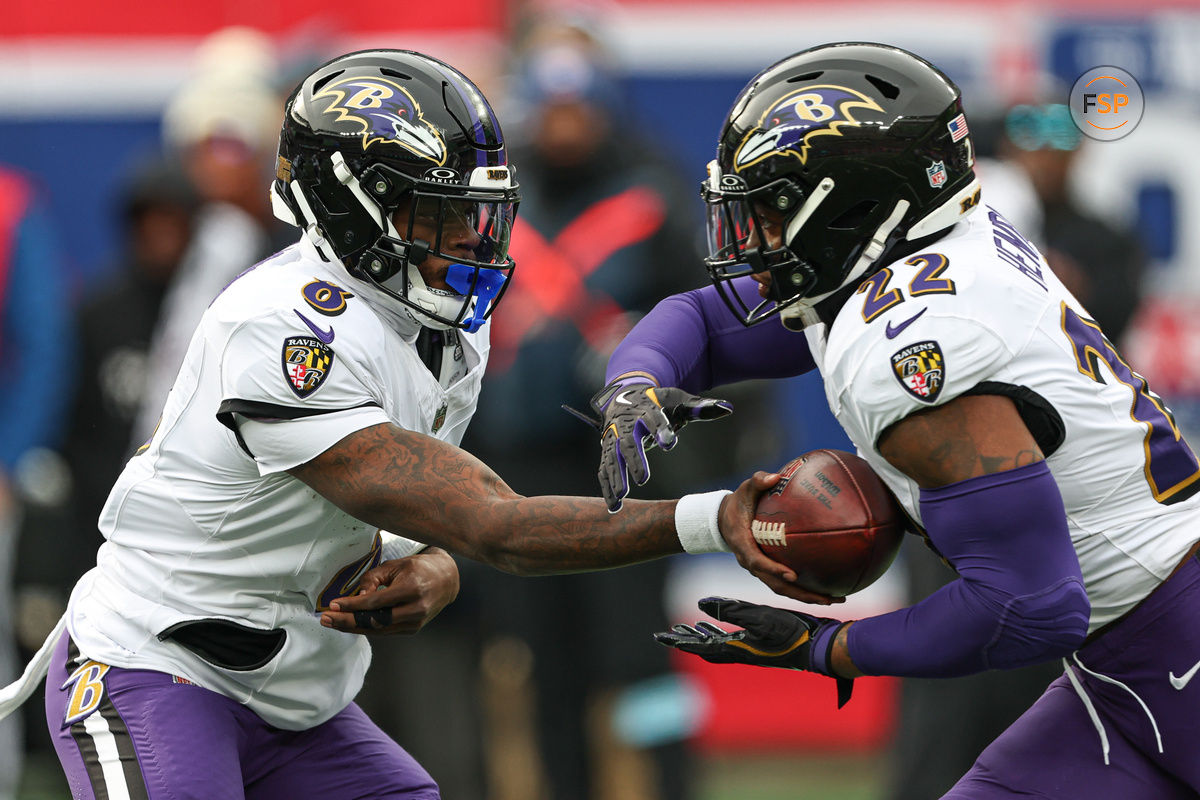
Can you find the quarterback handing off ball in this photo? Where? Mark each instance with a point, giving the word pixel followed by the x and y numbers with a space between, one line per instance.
pixel 831 520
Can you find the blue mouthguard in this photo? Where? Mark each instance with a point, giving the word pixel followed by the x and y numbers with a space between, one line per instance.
pixel 483 288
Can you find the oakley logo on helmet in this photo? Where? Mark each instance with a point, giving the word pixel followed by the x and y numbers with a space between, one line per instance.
pixel 788 126
pixel 442 175
pixel 385 114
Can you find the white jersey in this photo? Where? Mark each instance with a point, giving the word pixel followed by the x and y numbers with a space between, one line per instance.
pixel 981 312
pixel 198 528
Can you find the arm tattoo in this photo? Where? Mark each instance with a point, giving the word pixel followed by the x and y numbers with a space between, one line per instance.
pixel 430 491
pixel 1001 463
pixel 965 438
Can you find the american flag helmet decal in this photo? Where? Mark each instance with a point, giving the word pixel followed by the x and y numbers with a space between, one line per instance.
pixel 958 128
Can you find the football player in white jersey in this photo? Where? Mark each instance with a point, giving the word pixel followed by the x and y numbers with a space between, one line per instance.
pixel 212 652
pixel 847 234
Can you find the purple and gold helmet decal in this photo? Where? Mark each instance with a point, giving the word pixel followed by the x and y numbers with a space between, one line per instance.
pixel 788 126
pixel 385 113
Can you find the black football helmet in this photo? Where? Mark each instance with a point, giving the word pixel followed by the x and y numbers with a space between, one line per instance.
pixel 830 160
pixel 375 131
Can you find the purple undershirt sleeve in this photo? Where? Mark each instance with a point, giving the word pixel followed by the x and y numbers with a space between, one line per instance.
pixel 1020 597
pixel 693 341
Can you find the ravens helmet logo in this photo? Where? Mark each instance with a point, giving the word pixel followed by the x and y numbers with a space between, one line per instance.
pixel 790 124
pixel 385 113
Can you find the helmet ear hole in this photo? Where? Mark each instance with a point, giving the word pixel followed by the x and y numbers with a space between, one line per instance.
pixel 853 217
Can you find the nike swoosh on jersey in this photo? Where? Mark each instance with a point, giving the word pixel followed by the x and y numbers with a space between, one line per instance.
pixel 324 336
pixel 1183 679
pixel 892 333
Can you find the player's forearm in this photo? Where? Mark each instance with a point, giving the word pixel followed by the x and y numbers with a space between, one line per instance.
pixel 1020 599
pixel 433 492
pixel 691 341
pixel 541 535
pixel 666 346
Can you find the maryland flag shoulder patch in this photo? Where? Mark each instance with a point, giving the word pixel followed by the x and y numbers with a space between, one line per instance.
pixel 921 370
pixel 306 363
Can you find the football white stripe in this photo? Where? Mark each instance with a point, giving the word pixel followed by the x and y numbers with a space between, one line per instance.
pixel 773 533
pixel 110 760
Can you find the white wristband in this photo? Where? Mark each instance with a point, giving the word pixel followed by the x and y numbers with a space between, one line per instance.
pixel 696 522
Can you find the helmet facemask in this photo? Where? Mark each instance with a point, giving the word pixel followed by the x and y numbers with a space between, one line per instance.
pixel 830 164
pixel 412 220
pixel 469 226
pixel 761 230
pixel 747 235
pixel 393 162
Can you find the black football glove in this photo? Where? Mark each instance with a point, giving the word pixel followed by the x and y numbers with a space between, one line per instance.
pixel 770 637
pixel 634 417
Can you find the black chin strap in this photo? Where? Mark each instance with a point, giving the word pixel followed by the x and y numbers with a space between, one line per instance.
pixel 385 258
pixel 418 252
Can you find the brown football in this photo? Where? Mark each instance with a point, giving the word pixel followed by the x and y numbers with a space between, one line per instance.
pixel 831 520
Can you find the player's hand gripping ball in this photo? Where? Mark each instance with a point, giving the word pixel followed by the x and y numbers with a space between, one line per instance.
pixel 831 520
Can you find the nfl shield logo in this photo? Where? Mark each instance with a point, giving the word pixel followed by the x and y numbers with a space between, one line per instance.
pixel 306 363
pixel 937 174
pixel 921 370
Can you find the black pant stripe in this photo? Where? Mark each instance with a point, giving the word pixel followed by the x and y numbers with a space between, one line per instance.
pixel 83 739
pixel 135 782
pixel 91 760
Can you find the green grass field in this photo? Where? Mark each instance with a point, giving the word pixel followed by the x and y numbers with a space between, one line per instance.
pixel 828 777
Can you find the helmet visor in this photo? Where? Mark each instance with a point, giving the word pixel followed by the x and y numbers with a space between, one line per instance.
pixel 461 230
pixel 472 234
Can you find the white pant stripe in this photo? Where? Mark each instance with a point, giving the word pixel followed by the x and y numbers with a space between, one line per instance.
pixel 106 751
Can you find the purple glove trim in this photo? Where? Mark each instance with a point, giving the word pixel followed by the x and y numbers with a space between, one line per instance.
pixel 822 648
pixel 1020 598
pixel 692 341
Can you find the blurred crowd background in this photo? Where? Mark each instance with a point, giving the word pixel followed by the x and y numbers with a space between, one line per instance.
pixel 136 147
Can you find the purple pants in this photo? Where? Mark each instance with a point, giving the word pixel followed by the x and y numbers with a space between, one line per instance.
pixel 1143 743
pixel 145 735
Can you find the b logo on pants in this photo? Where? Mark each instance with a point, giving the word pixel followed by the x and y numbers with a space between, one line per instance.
pixel 88 691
